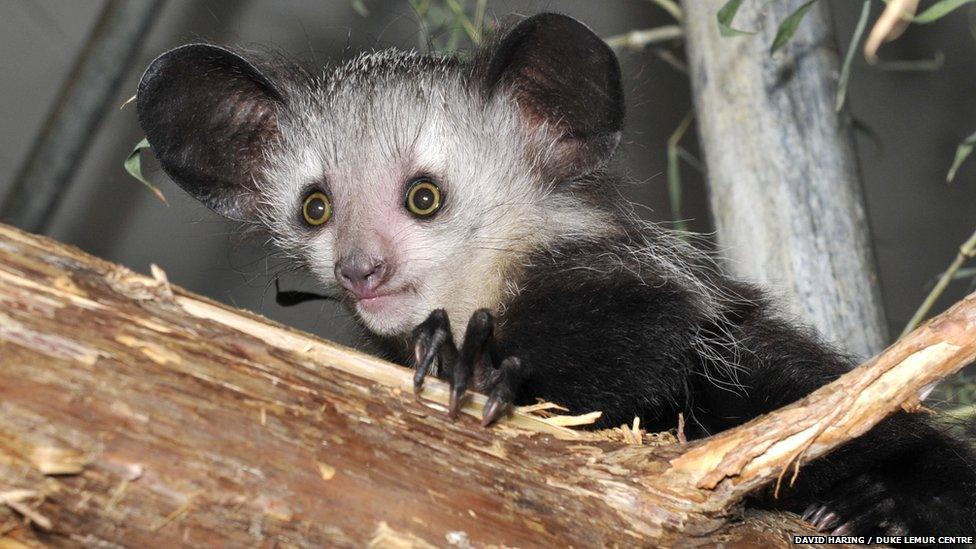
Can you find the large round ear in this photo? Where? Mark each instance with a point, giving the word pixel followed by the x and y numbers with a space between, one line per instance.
pixel 566 77
pixel 209 115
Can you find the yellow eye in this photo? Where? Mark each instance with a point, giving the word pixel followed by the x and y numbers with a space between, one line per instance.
pixel 423 198
pixel 317 209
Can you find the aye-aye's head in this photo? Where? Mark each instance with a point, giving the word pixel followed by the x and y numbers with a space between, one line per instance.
pixel 412 182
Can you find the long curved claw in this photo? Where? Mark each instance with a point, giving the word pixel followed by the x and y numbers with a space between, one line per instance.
pixel 502 389
pixel 458 389
pixel 862 505
pixel 474 351
pixel 432 339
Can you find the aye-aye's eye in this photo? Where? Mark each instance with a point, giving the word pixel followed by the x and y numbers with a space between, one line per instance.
pixel 317 209
pixel 423 198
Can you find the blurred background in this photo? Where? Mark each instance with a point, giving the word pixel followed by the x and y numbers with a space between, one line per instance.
pixel 912 110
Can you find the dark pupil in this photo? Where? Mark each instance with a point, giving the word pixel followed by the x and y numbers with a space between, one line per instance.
pixel 423 199
pixel 316 208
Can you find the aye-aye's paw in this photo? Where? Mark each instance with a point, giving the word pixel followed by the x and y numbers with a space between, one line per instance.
pixel 861 506
pixel 475 361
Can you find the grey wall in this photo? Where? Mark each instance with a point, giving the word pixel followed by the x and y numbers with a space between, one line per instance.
pixel 917 220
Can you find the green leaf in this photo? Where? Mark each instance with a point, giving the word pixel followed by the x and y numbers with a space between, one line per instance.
pixel 939 10
pixel 133 165
pixel 674 173
pixel 789 25
pixel 964 273
pixel 360 7
pixel 964 150
pixel 725 16
pixel 845 71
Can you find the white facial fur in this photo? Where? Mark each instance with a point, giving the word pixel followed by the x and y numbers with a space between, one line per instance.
pixel 375 124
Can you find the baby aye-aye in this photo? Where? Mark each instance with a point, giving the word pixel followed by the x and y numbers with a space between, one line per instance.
pixel 463 209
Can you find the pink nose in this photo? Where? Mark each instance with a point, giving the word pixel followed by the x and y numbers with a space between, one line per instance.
pixel 361 275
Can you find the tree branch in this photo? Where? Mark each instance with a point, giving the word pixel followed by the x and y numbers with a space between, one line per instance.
pixel 736 462
pixel 134 412
pixel 638 39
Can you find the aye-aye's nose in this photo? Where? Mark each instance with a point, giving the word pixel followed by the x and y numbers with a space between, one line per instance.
pixel 361 274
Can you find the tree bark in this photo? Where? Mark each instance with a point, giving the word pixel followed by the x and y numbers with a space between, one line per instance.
pixel 134 413
pixel 784 183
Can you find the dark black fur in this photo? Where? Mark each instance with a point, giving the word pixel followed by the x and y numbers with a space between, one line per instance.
pixel 590 333
pixel 594 326
pixel 539 60
pixel 208 114
pixel 592 339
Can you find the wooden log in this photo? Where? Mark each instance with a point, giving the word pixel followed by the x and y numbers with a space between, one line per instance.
pixel 134 413
pixel 783 178
pixel 138 414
